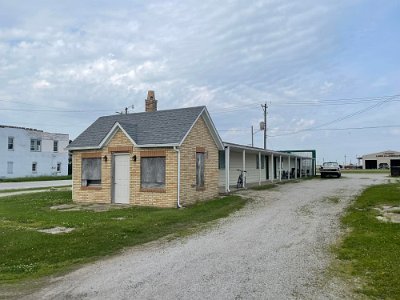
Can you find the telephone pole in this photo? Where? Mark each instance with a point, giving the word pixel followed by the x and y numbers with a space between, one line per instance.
pixel 265 107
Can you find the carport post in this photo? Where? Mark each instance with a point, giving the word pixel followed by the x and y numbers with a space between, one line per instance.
pixel 301 165
pixel 289 170
pixel 280 167
pixel 227 167
pixel 272 168
pixel 259 160
pixel 244 168
pixel 295 166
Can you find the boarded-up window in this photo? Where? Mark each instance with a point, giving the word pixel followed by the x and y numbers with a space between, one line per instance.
pixel 200 169
pixel 221 160
pixel 91 171
pixel 152 172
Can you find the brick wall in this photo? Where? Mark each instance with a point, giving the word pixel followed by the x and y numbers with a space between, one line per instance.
pixel 103 194
pixel 201 139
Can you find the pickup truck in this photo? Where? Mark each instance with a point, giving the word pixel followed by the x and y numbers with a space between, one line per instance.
pixel 330 169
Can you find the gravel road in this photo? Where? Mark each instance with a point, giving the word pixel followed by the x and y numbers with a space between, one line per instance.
pixel 277 247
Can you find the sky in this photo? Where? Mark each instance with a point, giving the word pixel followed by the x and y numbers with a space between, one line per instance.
pixel 329 71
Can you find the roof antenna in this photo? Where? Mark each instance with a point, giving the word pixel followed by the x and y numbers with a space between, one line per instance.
pixel 126 110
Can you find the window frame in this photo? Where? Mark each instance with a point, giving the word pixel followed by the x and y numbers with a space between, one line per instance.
pixel 58 167
pixel 93 182
pixel 200 172
pixel 36 145
pixel 12 143
pixel 154 185
pixel 34 167
pixel 55 146
pixel 10 167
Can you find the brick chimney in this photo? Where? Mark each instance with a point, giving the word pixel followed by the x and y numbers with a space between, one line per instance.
pixel 151 102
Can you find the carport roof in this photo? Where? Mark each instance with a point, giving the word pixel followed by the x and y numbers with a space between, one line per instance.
pixel 257 149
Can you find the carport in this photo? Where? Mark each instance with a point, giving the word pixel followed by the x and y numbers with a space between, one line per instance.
pixel 259 166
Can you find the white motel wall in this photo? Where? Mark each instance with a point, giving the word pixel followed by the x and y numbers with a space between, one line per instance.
pixel 261 166
pixel 26 152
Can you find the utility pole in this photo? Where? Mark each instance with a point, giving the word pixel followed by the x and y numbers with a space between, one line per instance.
pixel 265 107
pixel 252 136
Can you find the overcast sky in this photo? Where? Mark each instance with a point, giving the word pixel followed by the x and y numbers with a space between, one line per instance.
pixel 328 70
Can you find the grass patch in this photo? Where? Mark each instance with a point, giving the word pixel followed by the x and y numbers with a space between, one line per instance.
pixel 267 186
pixel 39 178
pixel 366 171
pixel 332 199
pixel 34 189
pixel 371 250
pixel 28 254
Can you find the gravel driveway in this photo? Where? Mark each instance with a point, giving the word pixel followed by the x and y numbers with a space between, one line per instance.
pixel 277 247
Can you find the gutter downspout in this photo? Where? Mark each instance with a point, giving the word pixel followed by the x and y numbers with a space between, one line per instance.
pixel 178 197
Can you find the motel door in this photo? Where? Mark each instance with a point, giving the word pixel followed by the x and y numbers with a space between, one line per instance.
pixel 121 178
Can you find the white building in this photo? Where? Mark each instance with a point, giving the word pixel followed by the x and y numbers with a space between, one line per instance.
pixel 26 152
pixel 380 160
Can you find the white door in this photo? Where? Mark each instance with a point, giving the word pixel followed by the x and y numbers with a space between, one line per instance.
pixel 121 178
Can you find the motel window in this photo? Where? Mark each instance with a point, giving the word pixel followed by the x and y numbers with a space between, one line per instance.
pixel 10 167
pixel 58 167
pixel 152 170
pixel 262 162
pixel 91 171
pixel 34 167
pixel 10 143
pixel 36 145
pixel 199 169
pixel 257 162
pixel 221 160
pixel 55 146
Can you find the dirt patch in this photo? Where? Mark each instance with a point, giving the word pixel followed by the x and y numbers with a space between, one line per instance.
pixel 93 207
pixel 389 214
pixel 56 230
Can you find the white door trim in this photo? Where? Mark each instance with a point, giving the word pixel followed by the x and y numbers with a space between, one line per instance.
pixel 120 179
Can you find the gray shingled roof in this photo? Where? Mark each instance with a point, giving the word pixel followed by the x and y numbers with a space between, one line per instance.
pixel 147 128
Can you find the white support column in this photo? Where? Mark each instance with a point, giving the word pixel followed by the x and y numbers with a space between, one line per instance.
pixel 280 168
pixel 295 167
pixel 272 168
pixel 260 164
pixel 227 167
pixel 301 166
pixel 244 168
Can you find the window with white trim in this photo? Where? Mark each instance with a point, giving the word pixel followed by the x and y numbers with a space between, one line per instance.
pixel 58 167
pixel 152 172
pixel 36 145
pixel 10 167
pixel 55 146
pixel 10 143
pixel 91 171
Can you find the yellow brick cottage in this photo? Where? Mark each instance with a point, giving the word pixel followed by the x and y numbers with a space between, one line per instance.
pixel 165 158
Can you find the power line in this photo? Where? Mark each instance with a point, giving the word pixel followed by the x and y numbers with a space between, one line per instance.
pixel 336 120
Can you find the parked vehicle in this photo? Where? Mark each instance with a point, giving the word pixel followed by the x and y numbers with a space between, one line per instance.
pixel 383 166
pixel 330 169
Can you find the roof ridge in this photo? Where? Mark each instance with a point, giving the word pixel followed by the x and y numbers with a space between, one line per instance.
pixel 154 112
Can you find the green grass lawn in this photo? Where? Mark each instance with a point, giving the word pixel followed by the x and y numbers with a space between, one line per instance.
pixel 367 171
pixel 28 254
pixel 39 178
pixel 371 251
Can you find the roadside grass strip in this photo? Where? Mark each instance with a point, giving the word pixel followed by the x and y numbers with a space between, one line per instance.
pixel 370 251
pixel 38 178
pixel 27 253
